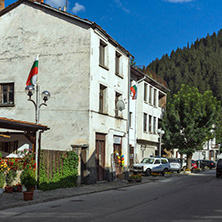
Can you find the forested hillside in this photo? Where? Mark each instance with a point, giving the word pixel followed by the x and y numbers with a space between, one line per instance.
pixel 198 64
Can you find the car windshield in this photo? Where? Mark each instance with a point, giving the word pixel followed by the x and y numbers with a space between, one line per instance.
pixel 147 160
pixel 173 160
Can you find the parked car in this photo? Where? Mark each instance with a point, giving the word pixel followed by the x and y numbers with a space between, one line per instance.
pixel 219 168
pixel 175 164
pixel 152 165
pixel 183 163
pixel 207 163
pixel 193 165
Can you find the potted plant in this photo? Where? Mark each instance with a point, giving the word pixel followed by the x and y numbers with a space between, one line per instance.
pixel 2 182
pixel 10 176
pixel 135 178
pixel 18 187
pixel 28 180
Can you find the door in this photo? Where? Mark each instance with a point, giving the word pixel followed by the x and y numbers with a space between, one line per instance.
pixel 157 166
pixel 131 155
pixel 117 156
pixel 100 156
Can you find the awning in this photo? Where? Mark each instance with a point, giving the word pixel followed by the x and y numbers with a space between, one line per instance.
pixel 12 124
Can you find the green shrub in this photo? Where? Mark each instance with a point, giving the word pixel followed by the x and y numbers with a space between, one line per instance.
pixel 2 180
pixel 10 177
pixel 66 176
pixel 28 178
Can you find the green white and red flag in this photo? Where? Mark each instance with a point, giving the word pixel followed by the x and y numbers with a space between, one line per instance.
pixel 133 89
pixel 32 78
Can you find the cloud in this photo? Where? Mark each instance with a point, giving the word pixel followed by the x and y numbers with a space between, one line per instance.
pixel 120 5
pixel 179 1
pixel 56 3
pixel 77 8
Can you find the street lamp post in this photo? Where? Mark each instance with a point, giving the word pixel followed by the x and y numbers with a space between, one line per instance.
pixel 30 90
pixel 45 96
pixel 160 132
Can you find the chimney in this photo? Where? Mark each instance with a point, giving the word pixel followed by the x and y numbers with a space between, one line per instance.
pixel 2 4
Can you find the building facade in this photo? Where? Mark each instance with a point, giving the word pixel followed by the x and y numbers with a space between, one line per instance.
pixel 85 70
pixel 145 114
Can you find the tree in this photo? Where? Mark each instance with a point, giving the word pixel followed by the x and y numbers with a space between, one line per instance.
pixel 189 119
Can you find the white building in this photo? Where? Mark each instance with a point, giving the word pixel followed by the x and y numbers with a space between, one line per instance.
pixel 85 70
pixel 145 114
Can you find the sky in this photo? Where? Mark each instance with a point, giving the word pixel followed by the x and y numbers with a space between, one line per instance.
pixel 149 29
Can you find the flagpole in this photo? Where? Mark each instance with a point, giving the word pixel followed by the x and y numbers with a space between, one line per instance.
pixel 32 81
pixel 37 122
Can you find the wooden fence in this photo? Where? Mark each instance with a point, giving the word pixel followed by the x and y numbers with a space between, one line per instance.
pixel 52 161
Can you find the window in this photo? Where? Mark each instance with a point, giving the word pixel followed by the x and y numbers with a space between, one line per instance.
pixel 157 162
pixel 159 123
pixel 117 98
pixel 118 63
pixel 150 124
pixel 144 122
pixel 130 119
pixel 154 124
pixel 8 147
pixel 150 95
pixel 164 161
pixel 102 96
pixel 102 53
pixel 145 92
pixel 154 97
pixel 6 94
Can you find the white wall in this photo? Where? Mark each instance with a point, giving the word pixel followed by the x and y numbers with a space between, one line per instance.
pixel 107 124
pixel 64 52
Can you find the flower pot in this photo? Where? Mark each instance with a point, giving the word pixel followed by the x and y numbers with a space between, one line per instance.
pixel 19 188
pixel 9 189
pixel 28 195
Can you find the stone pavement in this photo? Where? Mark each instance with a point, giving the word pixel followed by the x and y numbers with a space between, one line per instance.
pixel 15 199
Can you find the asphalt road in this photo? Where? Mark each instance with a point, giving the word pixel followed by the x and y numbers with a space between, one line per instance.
pixel 195 197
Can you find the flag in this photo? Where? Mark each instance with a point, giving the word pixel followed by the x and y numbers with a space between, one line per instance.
pixel 133 89
pixel 32 78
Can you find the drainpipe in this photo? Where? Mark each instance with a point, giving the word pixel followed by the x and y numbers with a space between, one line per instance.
pixel 128 127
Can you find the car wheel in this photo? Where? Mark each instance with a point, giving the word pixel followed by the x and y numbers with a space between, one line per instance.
pixel 148 172
pixel 217 175
pixel 178 171
pixel 164 171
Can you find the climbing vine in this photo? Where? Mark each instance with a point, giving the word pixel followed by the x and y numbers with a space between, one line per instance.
pixel 64 175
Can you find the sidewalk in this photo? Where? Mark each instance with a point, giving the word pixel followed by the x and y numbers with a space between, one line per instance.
pixel 15 199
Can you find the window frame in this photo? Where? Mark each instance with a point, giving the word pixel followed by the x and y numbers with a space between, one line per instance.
pixel 145 92
pixel 155 97
pixel 7 95
pixel 118 64
pixel 150 95
pixel 102 97
pixel 154 125
pixel 103 54
pixel 150 124
pixel 145 122
pixel 130 119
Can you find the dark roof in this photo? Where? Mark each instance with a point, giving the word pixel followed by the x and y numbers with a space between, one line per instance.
pixel 93 25
pixel 12 124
